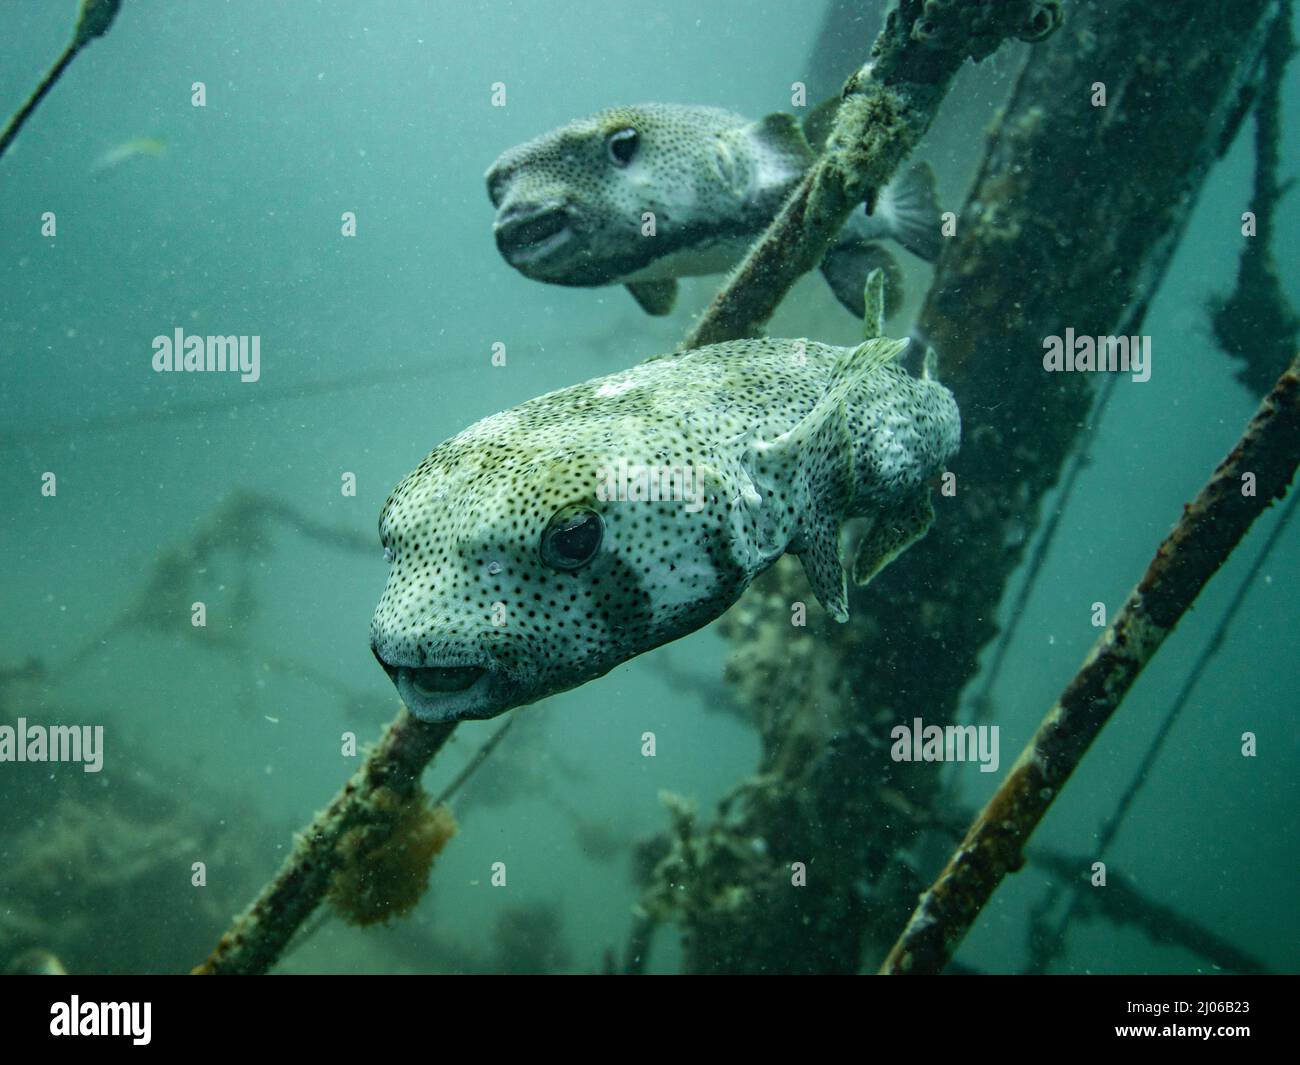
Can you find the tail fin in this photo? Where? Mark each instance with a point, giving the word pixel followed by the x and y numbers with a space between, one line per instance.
pixel 907 211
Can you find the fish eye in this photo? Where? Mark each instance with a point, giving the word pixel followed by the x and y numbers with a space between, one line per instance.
pixel 571 538
pixel 622 145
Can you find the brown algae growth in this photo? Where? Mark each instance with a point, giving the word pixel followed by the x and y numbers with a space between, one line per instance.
pixel 386 863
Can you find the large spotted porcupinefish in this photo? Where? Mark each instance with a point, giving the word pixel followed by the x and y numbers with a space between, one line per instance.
pixel 572 204
pixel 544 545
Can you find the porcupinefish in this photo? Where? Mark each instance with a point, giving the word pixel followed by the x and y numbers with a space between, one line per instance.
pixel 546 544
pixel 571 204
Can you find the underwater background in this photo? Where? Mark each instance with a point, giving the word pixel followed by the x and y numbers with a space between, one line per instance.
pixel 222 742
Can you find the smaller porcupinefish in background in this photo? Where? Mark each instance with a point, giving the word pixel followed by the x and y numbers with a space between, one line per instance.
pixel 549 543
pixel 570 203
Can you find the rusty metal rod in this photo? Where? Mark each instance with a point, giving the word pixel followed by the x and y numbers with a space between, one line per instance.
pixel 260 934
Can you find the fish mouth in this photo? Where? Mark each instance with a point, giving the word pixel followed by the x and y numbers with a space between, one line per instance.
pixel 527 235
pixel 443 693
pixel 432 681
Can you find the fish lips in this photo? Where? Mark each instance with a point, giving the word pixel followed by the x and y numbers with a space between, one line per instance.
pixel 449 692
pixel 442 694
pixel 530 236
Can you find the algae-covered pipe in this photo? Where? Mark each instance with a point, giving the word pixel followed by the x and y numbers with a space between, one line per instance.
pixel 93 21
pixel 1210 528
pixel 258 937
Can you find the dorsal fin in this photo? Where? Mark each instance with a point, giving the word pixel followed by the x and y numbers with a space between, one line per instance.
pixel 873 300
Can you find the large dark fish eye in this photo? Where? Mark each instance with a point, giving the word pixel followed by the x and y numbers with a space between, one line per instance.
pixel 622 145
pixel 572 537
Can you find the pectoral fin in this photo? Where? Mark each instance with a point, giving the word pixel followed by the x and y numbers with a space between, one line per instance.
pixel 655 297
pixel 850 372
pixel 815 457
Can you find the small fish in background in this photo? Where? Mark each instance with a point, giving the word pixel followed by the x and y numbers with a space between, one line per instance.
pixel 517 573
pixel 571 203
pixel 137 148
pixel 36 962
